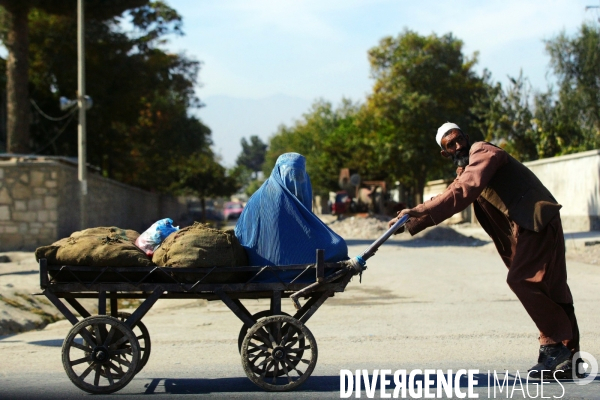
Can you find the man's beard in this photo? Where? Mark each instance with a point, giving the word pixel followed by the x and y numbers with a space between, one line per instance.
pixel 461 159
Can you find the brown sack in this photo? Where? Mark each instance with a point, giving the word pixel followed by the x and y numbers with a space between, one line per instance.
pixel 199 246
pixel 96 247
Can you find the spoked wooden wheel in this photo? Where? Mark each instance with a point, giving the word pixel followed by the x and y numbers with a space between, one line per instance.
pixel 244 329
pixel 143 337
pixel 279 353
pixel 100 354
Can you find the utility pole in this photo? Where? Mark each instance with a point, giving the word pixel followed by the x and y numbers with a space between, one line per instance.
pixel 81 103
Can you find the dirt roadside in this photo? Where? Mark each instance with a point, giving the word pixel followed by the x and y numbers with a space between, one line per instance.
pixel 20 311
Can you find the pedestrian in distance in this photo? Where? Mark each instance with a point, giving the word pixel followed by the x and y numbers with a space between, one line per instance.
pixel 522 218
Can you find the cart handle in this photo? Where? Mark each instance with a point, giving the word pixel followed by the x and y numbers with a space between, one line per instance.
pixel 372 249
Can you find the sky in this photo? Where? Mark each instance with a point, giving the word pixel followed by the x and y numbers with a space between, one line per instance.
pixel 318 48
pixel 266 61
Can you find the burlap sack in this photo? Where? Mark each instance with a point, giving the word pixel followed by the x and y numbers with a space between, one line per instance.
pixel 199 246
pixel 96 247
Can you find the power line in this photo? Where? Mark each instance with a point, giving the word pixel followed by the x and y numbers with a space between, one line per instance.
pixel 60 132
pixel 43 114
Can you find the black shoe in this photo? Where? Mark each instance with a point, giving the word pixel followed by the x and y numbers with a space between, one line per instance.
pixel 564 370
pixel 550 357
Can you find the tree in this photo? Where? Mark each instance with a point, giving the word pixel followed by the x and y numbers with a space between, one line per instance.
pixel 139 125
pixel 557 124
pixel 15 36
pixel 420 83
pixel 330 139
pixel 201 175
pixel 253 154
pixel 506 119
pixel 569 120
pixel 561 121
pixel 252 187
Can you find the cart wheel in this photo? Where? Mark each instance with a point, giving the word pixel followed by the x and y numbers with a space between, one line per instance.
pixel 143 337
pixel 244 329
pixel 273 345
pixel 103 345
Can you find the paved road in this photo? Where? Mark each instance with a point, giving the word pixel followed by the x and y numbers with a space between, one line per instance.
pixel 420 306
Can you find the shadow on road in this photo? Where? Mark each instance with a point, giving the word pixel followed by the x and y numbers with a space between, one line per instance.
pixel 200 386
pixel 331 383
pixel 227 385
pixel 20 273
pixel 48 342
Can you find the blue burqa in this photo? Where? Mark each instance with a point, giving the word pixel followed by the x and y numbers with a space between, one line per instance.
pixel 277 226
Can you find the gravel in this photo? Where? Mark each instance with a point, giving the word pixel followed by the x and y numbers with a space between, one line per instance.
pixel 443 233
pixel 361 226
pixel 364 226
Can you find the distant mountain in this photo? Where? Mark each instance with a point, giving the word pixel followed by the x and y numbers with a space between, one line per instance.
pixel 230 119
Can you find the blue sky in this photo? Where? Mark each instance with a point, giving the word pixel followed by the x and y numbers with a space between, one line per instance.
pixel 266 61
pixel 317 48
pixel 291 52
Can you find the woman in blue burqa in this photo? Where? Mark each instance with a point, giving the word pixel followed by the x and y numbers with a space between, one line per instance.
pixel 277 226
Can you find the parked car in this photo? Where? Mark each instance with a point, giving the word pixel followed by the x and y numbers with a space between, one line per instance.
pixel 232 210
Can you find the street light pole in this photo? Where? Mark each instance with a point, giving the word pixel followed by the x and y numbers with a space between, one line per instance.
pixel 81 103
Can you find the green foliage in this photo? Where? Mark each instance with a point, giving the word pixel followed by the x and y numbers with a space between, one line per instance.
pixel 139 130
pixel 242 175
pixel 558 122
pixel 2 90
pixel 420 83
pixel 94 9
pixel 505 117
pixel 253 186
pixel 423 81
pixel 154 23
pixel 557 125
pixel 253 154
pixel 201 175
pixel 330 139
pixel 570 121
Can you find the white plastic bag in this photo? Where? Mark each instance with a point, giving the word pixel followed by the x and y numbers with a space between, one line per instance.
pixel 154 236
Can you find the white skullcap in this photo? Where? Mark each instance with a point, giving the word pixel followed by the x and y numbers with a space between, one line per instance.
pixel 442 130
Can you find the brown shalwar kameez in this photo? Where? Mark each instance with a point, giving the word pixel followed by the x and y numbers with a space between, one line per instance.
pixel 503 192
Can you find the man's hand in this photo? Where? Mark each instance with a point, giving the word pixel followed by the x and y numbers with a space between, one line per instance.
pixel 413 212
pixel 393 221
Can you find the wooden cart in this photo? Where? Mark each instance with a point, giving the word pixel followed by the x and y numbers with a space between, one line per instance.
pixel 102 353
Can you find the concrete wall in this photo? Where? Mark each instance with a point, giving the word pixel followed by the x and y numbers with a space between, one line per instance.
pixel 40 203
pixel 574 180
pixel 433 188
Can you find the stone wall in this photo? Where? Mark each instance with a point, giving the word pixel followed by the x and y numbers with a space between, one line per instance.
pixel 40 202
pixel 433 188
pixel 28 200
